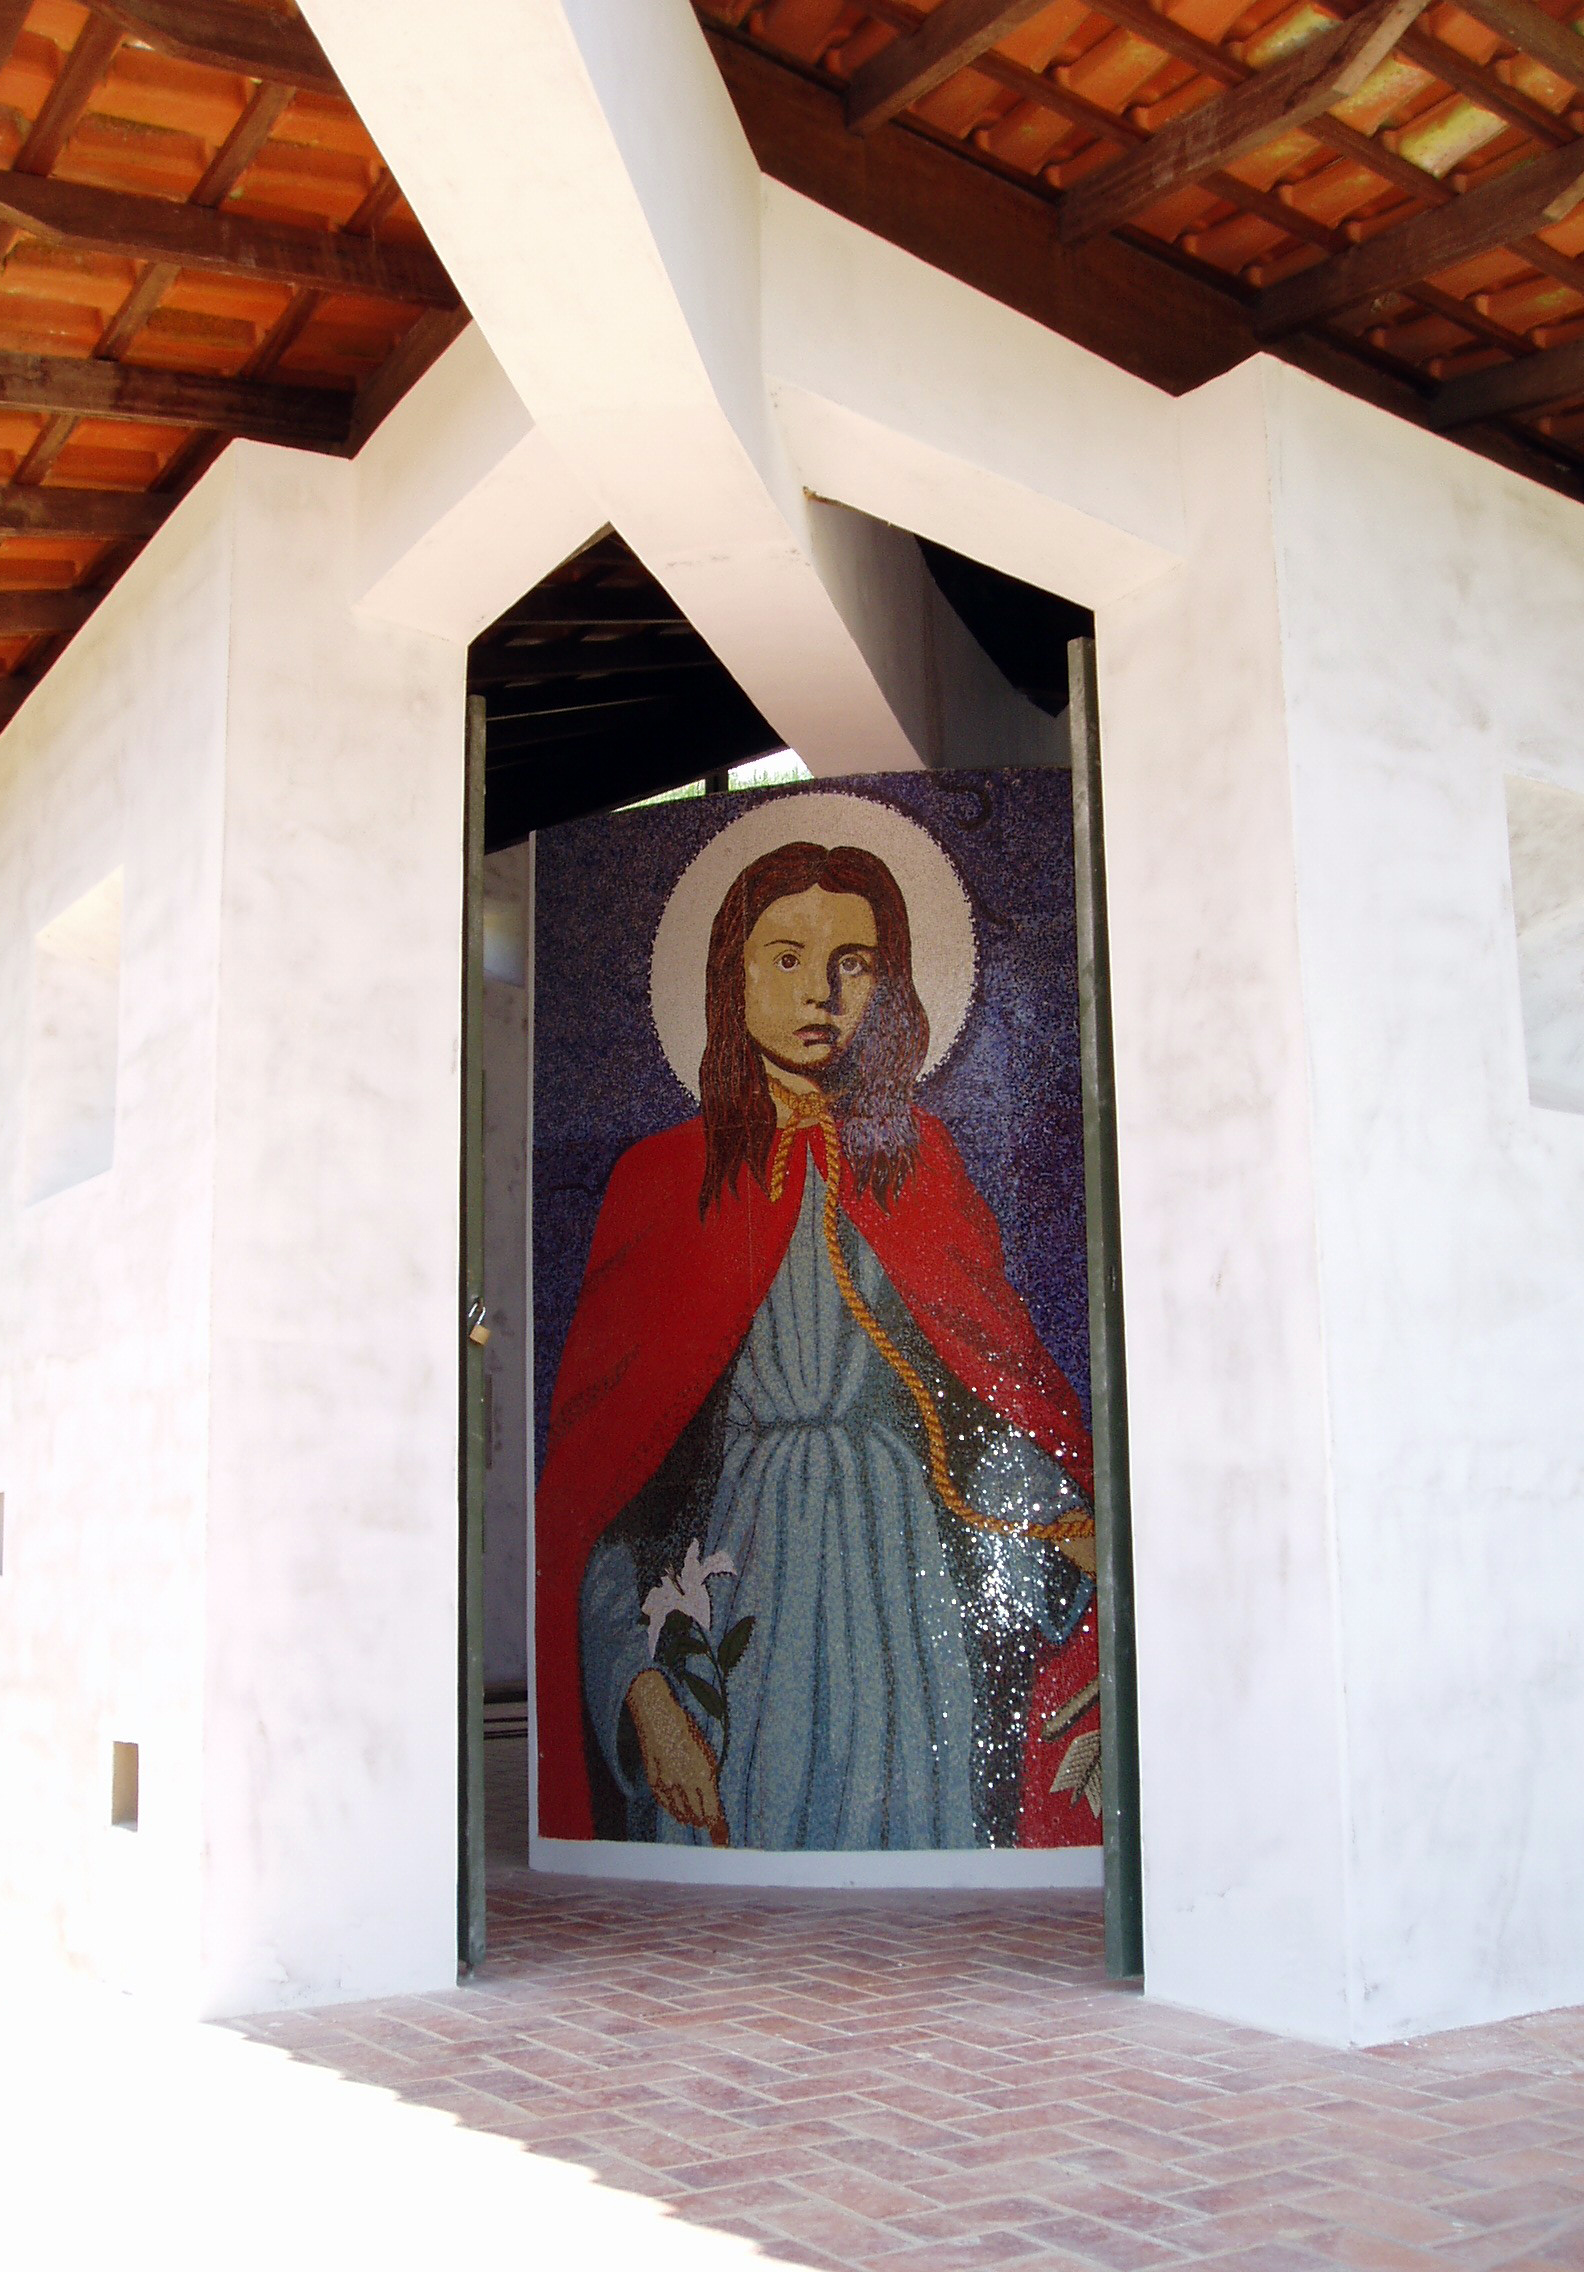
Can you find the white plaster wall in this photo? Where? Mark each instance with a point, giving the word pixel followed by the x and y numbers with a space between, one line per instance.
pixel 330 1749
pixel 1431 605
pixel 117 762
pixel 1354 1249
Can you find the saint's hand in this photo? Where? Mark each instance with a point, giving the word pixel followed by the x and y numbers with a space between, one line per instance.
pixel 678 1763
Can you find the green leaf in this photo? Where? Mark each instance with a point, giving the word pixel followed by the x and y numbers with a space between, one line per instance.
pixel 711 1699
pixel 736 1641
pixel 676 1630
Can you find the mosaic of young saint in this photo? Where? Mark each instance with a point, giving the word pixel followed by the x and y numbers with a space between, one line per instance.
pixel 815 1505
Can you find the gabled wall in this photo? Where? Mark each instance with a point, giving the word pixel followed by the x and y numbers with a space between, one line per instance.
pixel 1431 606
pixel 1353 1245
pixel 228 1449
pixel 116 764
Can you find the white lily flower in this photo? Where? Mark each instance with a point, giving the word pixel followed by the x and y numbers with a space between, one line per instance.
pixel 693 1583
pixel 687 1591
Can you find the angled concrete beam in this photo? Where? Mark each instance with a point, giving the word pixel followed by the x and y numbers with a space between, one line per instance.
pixel 462 503
pixel 579 167
pixel 919 401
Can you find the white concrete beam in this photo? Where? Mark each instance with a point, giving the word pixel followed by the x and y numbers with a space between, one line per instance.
pixel 912 397
pixel 462 502
pixel 579 167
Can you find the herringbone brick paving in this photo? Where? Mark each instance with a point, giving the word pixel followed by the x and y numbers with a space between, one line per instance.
pixel 926 2083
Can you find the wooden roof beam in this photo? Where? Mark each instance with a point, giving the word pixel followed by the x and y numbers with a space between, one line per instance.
pixel 1324 71
pixel 306 418
pixel 29 613
pixel 254 42
pixel 588 606
pixel 105 513
pixel 221 243
pixel 1529 27
pixel 1533 382
pixel 553 662
pixel 954 35
pixel 14 691
pixel 1534 195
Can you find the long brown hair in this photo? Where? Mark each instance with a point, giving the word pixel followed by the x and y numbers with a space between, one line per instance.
pixel 870 1086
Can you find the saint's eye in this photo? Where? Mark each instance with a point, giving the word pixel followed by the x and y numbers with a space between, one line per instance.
pixel 853 966
pixel 786 962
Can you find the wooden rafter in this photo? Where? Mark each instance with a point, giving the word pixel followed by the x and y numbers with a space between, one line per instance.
pixel 226 244
pixel 62 109
pixel 552 662
pixel 1064 102
pixel 391 309
pixel 1150 306
pixel 1535 382
pixel 1534 195
pixel 82 512
pixel 13 15
pixel 957 33
pixel 311 418
pixel 28 613
pixel 591 607
pixel 1529 28
pixel 983 227
pixel 402 368
pixel 230 162
pixel 1481 86
pixel 1289 219
pixel 1324 71
pixel 253 42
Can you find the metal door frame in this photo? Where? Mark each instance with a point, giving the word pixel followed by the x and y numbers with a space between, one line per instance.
pixel 470 1384
pixel 1124 1877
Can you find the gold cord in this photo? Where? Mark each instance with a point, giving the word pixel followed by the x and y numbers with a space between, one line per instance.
pixel 815 1112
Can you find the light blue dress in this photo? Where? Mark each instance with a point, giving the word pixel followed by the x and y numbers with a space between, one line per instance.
pixel 855 1723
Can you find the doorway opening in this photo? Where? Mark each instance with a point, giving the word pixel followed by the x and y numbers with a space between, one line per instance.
pixel 593 695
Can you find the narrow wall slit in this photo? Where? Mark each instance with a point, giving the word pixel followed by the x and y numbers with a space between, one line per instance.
pixel 123 1786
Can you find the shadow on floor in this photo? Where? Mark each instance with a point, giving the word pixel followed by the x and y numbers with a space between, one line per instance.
pixel 928 2082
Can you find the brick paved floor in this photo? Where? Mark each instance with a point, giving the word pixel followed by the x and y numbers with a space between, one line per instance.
pixel 923 2082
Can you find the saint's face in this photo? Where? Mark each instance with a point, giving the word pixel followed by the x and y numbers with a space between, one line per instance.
pixel 809 970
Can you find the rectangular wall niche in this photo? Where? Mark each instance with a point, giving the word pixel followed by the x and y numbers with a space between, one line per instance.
pixel 123 1786
pixel 1545 833
pixel 73 1022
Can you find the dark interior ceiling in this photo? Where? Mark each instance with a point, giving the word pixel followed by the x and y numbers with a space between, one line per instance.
pixel 598 691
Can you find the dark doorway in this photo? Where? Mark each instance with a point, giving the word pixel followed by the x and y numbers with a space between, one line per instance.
pixel 594 692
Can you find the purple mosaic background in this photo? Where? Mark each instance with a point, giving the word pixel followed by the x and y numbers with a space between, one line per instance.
pixel 1010 1091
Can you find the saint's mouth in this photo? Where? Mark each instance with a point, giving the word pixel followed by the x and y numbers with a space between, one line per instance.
pixel 810 1036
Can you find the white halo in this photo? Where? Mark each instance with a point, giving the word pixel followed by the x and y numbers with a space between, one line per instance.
pixel 939 916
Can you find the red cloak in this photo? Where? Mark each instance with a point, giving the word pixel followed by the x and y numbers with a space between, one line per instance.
pixel 668 1297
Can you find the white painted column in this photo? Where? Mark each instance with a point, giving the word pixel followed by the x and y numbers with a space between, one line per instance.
pixel 330 1751
pixel 1240 1720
